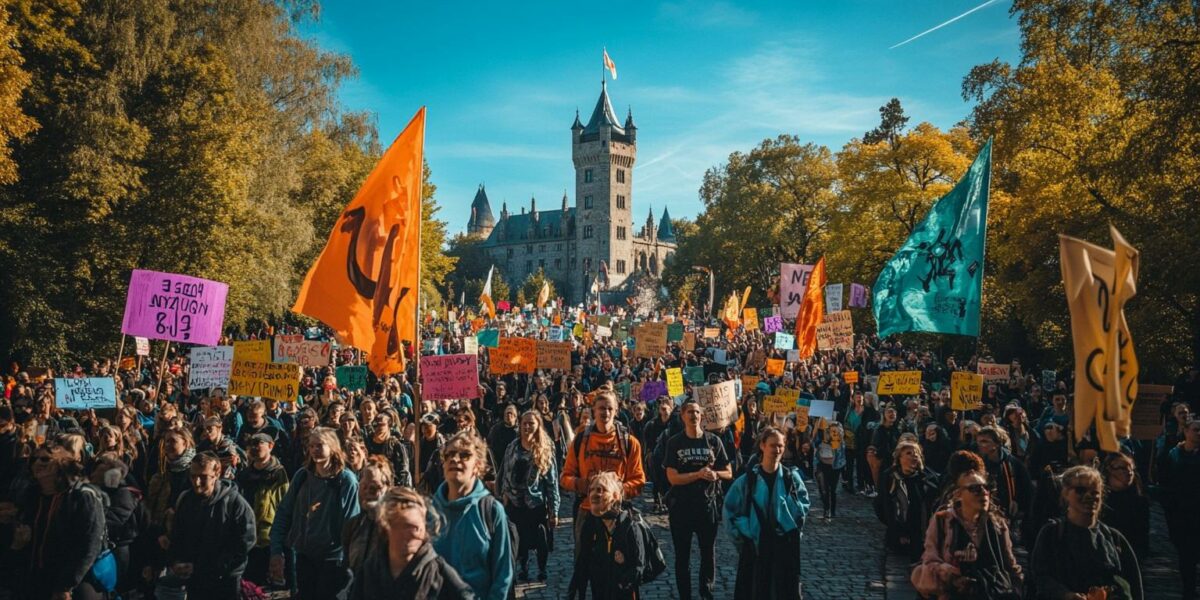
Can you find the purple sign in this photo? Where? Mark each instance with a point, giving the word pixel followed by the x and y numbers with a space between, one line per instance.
pixel 179 308
pixel 858 296
pixel 651 390
pixel 772 324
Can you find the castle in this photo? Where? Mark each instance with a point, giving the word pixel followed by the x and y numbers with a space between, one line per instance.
pixel 592 241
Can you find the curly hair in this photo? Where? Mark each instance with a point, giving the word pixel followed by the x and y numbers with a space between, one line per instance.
pixel 468 440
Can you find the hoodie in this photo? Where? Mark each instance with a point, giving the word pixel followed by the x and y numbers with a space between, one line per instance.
pixel 214 534
pixel 481 552
pixel 426 576
pixel 313 513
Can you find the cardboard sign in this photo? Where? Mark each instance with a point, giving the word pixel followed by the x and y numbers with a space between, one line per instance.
pixel 252 351
pixel 779 405
pixel 675 332
pixel 674 382
pixel 772 324
pixel 179 308
pixel 689 341
pixel 784 341
pixel 210 367
pixel 792 280
pixel 850 376
pixel 651 340
pixel 966 390
pixel 836 332
pixel 749 382
pixel 470 345
pixel 833 297
pixel 899 382
pixel 352 377
pixel 1146 417
pixel 513 355
pixel 793 356
pixel 143 346
pixel 449 377
pixel 750 319
pixel 265 379
pixel 84 393
pixel 694 375
pixel 712 333
pixel 554 355
pixel 993 371
pixel 296 349
pixel 718 403
pixel 775 366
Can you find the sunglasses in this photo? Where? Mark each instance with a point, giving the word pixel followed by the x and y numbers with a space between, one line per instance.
pixel 463 455
pixel 978 489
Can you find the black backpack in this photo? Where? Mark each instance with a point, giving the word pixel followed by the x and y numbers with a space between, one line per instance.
pixel 653 561
pixel 487 511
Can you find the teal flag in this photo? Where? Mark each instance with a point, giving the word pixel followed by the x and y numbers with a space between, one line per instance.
pixel 934 282
pixel 489 338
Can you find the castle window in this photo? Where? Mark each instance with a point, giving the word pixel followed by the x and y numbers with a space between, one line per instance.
pixel 546 231
pixel 510 252
pixel 558 263
pixel 620 233
pixel 620 266
pixel 587 201
pixel 620 175
pixel 558 247
pixel 572 262
pixel 528 248
pixel 542 248
pixel 620 201
pixel 587 231
pixel 587 175
pixel 528 266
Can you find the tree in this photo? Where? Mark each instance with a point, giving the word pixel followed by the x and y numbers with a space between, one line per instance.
pixel 471 262
pixel 15 125
pixel 891 124
pixel 533 286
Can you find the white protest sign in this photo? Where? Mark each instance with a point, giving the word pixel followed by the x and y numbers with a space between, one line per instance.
pixel 210 367
pixel 719 403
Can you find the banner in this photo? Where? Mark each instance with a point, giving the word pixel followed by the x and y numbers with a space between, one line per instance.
pixel 793 279
pixel 935 280
pixel 651 340
pixel 833 297
pixel 210 367
pixel 449 377
pixel 718 403
pixel 489 338
pixel 966 390
pixel 674 382
pixel 252 350
pixel 351 377
pixel 365 282
pixel 178 308
pixel 772 324
pixel 899 382
pixel 143 346
pixel 554 355
pixel 296 349
pixel 993 372
pixel 265 379
pixel 775 366
pixel 513 355
pixel 85 393
pixel 858 296
pixel 836 332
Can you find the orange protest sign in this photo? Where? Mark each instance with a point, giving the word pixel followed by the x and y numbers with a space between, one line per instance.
pixel 364 285
pixel 775 366
pixel 513 355
pixel 850 376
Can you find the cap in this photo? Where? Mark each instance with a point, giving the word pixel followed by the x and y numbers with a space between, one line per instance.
pixel 260 438
pixel 431 418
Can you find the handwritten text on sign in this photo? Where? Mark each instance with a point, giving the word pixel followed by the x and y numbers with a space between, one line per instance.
pixel 513 355
pixel 718 403
pixel 252 350
pixel 143 346
pixel 772 324
pixel 966 390
pixel 210 367
pixel 651 340
pixel 554 355
pixel 993 371
pixel 296 349
pixel 899 382
pixel 266 380
pixel 352 377
pixel 792 280
pixel 836 332
pixel 90 392
pixel 450 376
pixel 166 306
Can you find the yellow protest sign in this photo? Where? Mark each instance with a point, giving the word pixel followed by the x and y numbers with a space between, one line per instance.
pixel 675 382
pixel 966 390
pixel 776 404
pixel 899 382
pixel 276 381
pixel 775 366
pixel 253 350
pixel 750 319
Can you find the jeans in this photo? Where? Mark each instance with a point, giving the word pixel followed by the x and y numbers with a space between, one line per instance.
pixel 827 481
pixel 687 518
pixel 321 579
pixel 531 526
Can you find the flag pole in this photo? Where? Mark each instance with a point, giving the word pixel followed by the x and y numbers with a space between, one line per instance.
pixel 417 342
pixel 162 368
pixel 120 353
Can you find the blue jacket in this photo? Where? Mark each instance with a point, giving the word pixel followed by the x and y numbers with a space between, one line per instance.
pixel 532 490
pixel 790 509
pixel 839 455
pixel 482 555
pixel 315 533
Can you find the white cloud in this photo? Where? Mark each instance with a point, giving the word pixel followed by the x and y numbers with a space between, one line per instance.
pixel 699 13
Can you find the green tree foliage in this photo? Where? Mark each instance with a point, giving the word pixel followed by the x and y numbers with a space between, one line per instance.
pixel 471 263
pixel 532 286
pixel 14 123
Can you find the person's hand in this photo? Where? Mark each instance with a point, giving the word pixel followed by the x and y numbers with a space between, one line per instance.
pixel 164 542
pixel 708 474
pixel 1097 593
pixel 22 534
pixel 276 568
pixel 182 570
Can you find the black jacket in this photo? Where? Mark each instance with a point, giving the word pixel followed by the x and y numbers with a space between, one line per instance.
pixel 73 537
pixel 214 534
pixel 125 516
pixel 426 576
pixel 905 505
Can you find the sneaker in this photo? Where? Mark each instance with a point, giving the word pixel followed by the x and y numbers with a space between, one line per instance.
pixel 872 494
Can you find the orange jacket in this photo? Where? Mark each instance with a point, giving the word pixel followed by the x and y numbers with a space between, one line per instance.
pixel 603 453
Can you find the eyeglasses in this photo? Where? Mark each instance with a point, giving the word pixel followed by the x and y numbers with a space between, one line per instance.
pixel 463 455
pixel 978 489
pixel 1084 490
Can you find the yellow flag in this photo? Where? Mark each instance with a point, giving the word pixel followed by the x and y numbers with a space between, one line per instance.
pixel 364 285
pixel 730 313
pixel 1098 282
pixel 544 294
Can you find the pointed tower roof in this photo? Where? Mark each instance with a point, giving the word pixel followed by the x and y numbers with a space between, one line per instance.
pixel 603 115
pixel 629 126
pixel 481 210
pixel 576 124
pixel 666 232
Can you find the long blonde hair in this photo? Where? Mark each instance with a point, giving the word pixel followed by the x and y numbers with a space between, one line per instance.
pixel 543 449
pixel 337 455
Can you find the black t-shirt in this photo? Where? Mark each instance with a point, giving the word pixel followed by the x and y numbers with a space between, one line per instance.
pixel 689 455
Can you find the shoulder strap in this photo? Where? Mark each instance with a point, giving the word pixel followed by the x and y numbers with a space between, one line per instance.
pixel 487 512
pixel 581 442
pixel 751 483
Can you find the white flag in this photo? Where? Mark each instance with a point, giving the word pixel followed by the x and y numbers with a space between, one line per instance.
pixel 610 65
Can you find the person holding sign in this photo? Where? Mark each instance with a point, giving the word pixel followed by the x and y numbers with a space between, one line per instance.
pixel 696 463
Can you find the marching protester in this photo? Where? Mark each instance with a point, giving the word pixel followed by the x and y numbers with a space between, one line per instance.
pixel 1180 481
pixel 831 459
pixel 908 493
pixel 1126 506
pixel 529 488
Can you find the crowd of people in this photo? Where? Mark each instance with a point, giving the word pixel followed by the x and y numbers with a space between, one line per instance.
pixel 377 493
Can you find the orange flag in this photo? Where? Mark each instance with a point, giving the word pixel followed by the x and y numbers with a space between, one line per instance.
pixel 812 311
pixel 365 283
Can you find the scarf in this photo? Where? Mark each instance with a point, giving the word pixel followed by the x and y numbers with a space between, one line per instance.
pixel 179 464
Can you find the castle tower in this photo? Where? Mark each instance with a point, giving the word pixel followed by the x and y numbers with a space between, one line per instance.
pixel 604 152
pixel 481 222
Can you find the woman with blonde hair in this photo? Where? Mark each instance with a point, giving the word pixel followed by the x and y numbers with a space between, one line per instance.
pixel 529 489
pixel 322 497
pixel 908 494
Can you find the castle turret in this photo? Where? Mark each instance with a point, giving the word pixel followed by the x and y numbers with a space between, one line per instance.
pixel 481 222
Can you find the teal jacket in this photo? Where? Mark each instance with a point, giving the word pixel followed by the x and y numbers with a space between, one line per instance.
pixel 790 509
pixel 481 553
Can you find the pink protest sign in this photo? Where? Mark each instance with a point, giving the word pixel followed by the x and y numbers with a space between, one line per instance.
pixel 772 324
pixel 179 308
pixel 449 376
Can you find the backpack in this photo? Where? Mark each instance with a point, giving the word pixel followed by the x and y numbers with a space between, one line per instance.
pixel 487 511
pixel 653 561
pixel 623 442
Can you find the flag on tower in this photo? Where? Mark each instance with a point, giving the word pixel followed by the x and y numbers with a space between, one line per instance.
pixel 610 65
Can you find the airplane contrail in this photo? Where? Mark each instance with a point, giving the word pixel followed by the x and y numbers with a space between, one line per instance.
pixel 933 29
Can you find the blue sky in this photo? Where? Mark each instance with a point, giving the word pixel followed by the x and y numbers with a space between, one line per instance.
pixel 502 81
